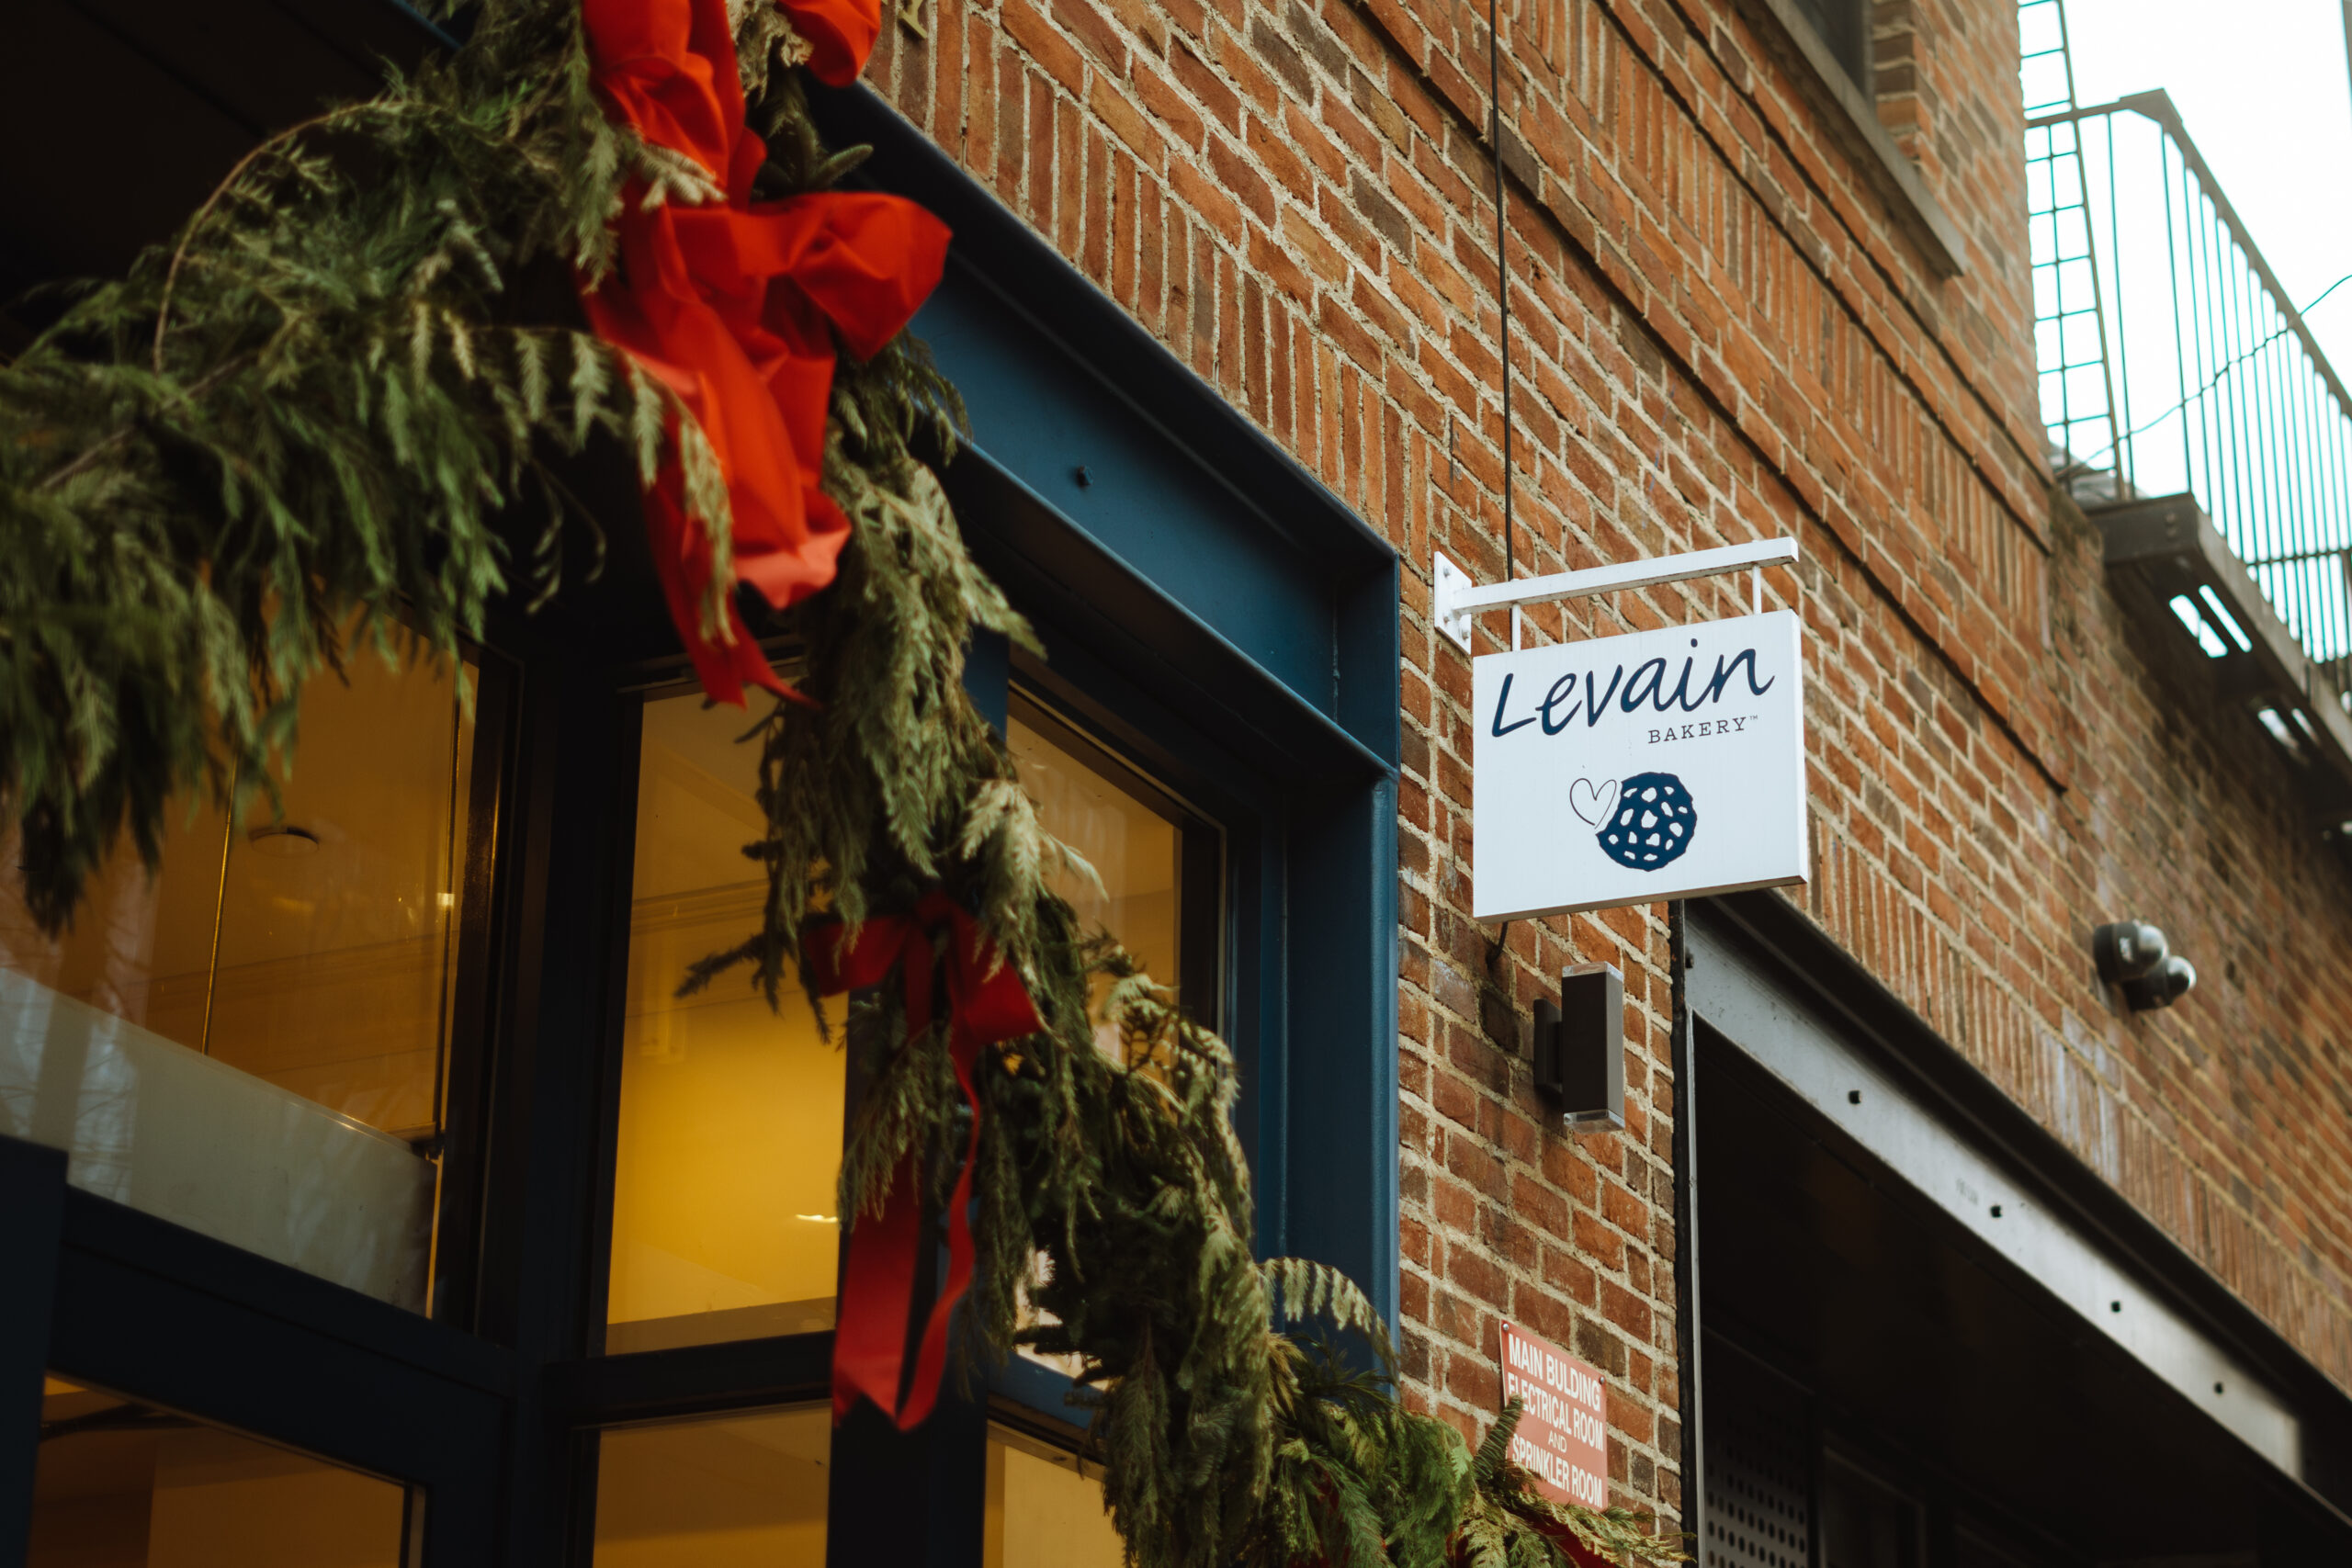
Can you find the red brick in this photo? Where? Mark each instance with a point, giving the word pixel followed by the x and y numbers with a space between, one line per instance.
pixel 1201 80
pixel 1161 96
pixel 1044 42
pixel 1080 21
pixel 1246 185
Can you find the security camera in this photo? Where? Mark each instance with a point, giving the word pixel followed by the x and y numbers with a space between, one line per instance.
pixel 2128 950
pixel 2161 986
pixel 2135 956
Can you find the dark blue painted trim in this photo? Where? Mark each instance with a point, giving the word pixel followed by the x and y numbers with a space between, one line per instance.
pixel 1214 772
pixel 1186 489
pixel 1199 561
pixel 1318 1039
pixel 1063 574
pixel 987 676
pixel 180 1321
pixel 650 1384
pixel 429 29
pixel 1369 659
pixel 98 1228
pixel 1343 1153
pixel 1112 473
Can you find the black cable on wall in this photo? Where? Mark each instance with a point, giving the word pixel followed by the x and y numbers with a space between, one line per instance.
pixel 1502 269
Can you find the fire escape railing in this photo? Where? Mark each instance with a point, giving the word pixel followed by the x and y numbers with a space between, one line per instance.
pixel 2189 409
pixel 2172 360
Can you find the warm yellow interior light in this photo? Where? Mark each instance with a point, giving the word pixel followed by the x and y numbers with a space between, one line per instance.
pixel 726 1492
pixel 730 1115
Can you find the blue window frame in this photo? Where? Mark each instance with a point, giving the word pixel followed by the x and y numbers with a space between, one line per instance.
pixel 1210 613
pixel 1215 616
pixel 1223 616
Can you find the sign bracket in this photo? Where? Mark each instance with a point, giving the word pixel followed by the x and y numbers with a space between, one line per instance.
pixel 1455 602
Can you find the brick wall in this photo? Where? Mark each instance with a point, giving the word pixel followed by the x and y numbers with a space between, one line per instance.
pixel 1972 893
pixel 1721 329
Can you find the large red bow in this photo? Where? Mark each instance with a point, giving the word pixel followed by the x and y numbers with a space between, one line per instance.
pixel 939 944
pixel 734 306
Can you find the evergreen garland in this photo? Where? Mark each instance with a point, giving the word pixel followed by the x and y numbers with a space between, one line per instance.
pixel 293 426
pixel 300 425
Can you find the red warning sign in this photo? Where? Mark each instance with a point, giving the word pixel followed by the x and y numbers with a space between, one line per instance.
pixel 1562 1437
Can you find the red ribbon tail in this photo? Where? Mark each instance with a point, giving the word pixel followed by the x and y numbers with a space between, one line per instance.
pixel 878 1293
pixel 930 1356
pixel 878 1286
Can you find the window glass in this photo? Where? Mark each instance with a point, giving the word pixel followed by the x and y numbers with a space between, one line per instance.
pixel 730 1114
pixel 1044 1508
pixel 1133 844
pixel 726 1492
pixel 729 1134
pixel 1156 875
pixel 253 1040
pixel 122 1486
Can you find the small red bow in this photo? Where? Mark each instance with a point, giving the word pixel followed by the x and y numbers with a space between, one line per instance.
pixel 987 1003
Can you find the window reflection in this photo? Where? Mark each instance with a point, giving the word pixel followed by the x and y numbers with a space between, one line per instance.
pixel 122 1485
pixel 730 1114
pixel 337 918
pixel 1155 883
pixel 729 1136
pixel 729 1491
pixel 1044 1508
pixel 252 1042
pixel 1133 843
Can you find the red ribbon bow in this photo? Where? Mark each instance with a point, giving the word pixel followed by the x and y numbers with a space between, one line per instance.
pixel 733 306
pixel 986 1003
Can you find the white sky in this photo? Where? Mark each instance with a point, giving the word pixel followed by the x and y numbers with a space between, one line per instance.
pixel 2262 85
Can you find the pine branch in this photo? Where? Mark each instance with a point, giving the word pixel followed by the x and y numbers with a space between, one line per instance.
pixel 301 419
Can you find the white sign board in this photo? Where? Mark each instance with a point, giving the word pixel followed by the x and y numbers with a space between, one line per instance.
pixel 1625 770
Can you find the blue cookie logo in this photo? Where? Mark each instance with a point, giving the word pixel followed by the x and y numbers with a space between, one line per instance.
pixel 1653 824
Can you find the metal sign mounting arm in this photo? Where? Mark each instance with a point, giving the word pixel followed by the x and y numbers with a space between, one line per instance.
pixel 1455 600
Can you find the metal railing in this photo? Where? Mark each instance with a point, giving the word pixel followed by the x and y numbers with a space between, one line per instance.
pixel 2172 360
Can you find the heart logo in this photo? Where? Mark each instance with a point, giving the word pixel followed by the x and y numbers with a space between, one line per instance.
pixel 1593 802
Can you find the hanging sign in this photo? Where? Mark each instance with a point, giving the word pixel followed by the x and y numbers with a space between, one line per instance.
pixel 1562 1434
pixel 1625 770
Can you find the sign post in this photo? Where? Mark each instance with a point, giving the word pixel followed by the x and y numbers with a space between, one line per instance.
pixel 1563 1436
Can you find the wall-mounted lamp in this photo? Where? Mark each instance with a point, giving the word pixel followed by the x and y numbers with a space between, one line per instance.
pixel 2134 955
pixel 1580 1049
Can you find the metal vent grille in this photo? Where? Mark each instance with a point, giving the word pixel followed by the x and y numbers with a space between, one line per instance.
pixel 1758 1476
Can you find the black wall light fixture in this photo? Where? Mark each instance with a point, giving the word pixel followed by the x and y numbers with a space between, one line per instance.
pixel 1580 1049
pixel 2134 955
